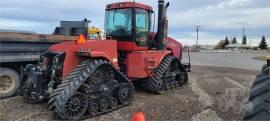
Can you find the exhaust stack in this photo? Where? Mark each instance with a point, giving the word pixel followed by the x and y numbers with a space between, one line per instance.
pixel 162 30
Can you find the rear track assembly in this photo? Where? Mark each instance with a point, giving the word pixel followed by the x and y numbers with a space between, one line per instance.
pixel 169 75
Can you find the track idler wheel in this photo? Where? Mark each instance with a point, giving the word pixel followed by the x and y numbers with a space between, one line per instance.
pixel 76 106
pixel 125 93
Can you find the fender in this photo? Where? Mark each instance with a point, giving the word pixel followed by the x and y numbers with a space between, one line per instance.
pixel 146 62
pixel 98 54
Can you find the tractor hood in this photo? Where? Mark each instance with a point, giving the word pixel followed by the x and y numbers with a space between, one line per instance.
pixel 171 44
pixel 74 52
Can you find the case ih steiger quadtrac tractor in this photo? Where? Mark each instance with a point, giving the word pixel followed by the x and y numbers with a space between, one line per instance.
pixel 85 78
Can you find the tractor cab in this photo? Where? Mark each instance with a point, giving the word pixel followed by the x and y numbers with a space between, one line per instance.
pixel 129 23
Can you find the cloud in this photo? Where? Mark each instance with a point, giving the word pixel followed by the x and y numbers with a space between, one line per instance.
pixel 231 4
pixel 223 18
pixel 218 18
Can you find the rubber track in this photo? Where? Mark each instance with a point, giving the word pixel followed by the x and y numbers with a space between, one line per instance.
pixel 258 107
pixel 152 84
pixel 77 77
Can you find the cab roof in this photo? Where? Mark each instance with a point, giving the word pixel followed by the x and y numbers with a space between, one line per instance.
pixel 120 5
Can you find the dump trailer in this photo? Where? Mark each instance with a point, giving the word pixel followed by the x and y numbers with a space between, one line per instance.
pixel 84 78
pixel 17 50
pixel 21 48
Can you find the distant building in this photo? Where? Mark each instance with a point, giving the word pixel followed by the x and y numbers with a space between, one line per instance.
pixel 239 46
pixel 207 47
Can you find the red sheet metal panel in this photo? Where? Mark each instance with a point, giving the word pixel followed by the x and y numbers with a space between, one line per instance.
pixel 95 47
pixel 120 5
pixel 140 64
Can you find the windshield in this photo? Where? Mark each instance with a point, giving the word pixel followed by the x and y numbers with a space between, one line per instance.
pixel 118 22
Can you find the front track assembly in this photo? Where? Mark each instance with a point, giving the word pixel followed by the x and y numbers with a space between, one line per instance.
pixel 95 87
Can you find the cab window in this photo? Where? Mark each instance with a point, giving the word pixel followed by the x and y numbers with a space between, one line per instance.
pixel 142 26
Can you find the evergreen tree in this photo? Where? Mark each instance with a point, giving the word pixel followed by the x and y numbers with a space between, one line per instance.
pixel 263 44
pixel 226 41
pixel 244 41
pixel 234 41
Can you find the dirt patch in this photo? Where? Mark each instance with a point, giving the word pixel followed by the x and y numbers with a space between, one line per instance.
pixel 228 88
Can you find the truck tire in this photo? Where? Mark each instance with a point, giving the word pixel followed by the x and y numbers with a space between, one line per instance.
pixel 258 106
pixel 9 82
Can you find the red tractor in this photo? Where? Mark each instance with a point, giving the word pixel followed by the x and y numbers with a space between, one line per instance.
pixel 85 78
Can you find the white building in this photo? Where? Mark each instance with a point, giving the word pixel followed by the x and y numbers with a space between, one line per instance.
pixel 239 46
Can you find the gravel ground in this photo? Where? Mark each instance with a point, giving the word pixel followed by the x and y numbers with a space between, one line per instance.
pixel 213 94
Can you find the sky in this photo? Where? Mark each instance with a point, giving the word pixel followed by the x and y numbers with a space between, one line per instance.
pixel 217 18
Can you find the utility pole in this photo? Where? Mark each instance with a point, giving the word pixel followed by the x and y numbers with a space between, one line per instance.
pixel 197 30
pixel 243 34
